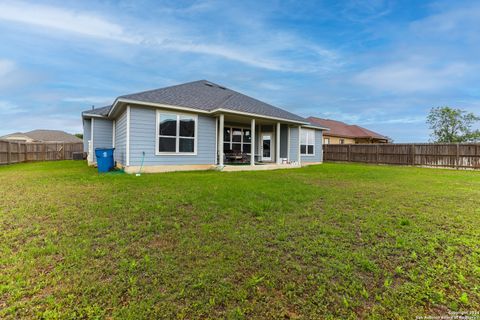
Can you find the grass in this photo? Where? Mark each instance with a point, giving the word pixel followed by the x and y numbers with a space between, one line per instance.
pixel 327 241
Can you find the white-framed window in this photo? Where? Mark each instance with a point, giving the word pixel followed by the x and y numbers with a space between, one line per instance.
pixel 342 141
pixel 237 140
pixel 326 140
pixel 176 133
pixel 307 142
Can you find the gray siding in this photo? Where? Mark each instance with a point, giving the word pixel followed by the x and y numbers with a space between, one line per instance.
pixel 120 153
pixel 102 134
pixel 87 134
pixel 294 143
pixel 283 141
pixel 318 157
pixel 143 139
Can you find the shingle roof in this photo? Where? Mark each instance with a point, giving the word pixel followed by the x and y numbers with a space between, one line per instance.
pixel 103 111
pixel 341 129
pixel 52 136
pixel 206 96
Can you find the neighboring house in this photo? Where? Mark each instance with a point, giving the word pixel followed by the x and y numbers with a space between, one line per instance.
pixel 43 136
pixel 342 133
pixel 199 125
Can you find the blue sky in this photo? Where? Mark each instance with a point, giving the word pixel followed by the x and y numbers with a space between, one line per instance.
pixel 381 64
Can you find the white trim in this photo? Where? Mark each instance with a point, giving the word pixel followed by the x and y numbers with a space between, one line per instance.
pixel 266 134
pixel 256 115
pixel 174 107
pixel 153 104
pixel 216 140
pixel 177 136
pixel 252 144
pixel 220 140
pixel 127 147
pixel 314 145
pixel 93 115
pixel 113 133
pixel 277 150
pixel 317 128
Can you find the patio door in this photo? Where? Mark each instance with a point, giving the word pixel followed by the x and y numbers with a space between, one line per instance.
pixel 266 147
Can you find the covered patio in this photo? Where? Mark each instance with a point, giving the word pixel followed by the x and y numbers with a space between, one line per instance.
pixel 244 142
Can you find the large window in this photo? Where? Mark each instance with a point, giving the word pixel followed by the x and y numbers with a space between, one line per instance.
pixel 176 133
pixel 307 142
pixel 237 140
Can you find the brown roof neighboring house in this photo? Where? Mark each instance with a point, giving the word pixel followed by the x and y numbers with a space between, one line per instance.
pixel 341 132
pixel 42 136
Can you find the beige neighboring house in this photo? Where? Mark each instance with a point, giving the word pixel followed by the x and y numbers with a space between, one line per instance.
pixel 342 133
pixel 42 136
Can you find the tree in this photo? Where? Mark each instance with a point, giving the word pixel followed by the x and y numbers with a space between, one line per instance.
pixel 79 135
pixel 451 125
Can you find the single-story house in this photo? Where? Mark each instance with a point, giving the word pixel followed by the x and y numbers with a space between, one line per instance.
pixel 342 133
pixel 43 135
pixel 200 125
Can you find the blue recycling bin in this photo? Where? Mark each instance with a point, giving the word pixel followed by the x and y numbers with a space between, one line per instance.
pixel 104 159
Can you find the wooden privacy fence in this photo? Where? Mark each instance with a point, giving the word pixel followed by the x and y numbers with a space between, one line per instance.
pixel 15 152
pixel 451 155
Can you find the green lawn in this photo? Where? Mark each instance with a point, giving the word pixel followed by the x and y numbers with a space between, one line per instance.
pixel 327 241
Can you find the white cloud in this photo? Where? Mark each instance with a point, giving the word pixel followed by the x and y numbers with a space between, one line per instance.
pixel 178 36
pixel 412 76
pixel 455 20
pixel 70 21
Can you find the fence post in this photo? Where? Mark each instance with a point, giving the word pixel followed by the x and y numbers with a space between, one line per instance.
pixel 9 153
pixel 376 153
pixel 349 157
pixel 63 147
pixel 457 158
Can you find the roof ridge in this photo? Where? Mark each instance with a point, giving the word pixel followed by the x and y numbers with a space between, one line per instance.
pixel 169 87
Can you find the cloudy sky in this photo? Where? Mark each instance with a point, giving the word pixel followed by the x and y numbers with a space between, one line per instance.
pixel 381 64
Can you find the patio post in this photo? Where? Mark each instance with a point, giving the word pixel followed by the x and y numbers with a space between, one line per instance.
pixel 220 140
pixel 252 143
pixel 277 148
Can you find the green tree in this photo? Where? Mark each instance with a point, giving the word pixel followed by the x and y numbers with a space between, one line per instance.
pixel 451 125
pixel 79 135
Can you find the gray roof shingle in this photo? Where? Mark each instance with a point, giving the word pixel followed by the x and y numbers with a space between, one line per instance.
pixel 103 111
pixel 207 96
